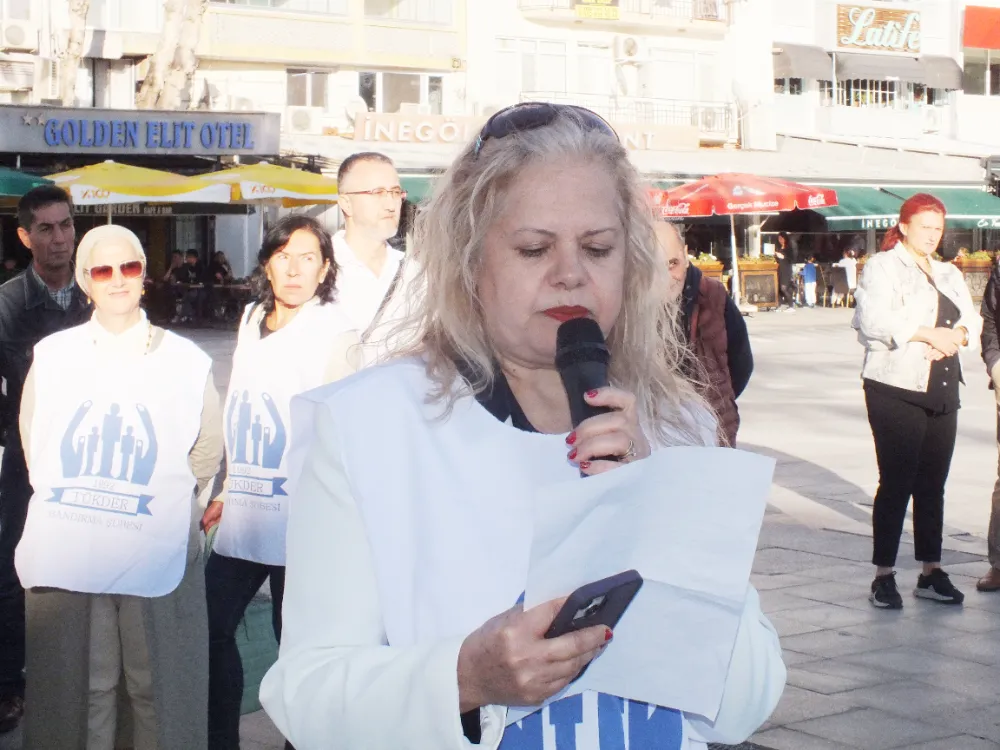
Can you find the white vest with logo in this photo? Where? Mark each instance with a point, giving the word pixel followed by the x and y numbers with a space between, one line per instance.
pixel 267 373
pixel 113 490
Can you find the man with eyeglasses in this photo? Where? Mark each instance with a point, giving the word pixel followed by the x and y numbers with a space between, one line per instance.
pixel 39 302
pixel 371 200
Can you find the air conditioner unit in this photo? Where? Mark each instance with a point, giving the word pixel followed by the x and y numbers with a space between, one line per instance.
pixel 19 35
pixel 629 48
pixel 15 74
pixel 304 120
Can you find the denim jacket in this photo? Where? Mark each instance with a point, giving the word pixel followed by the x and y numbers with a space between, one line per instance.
pixel 894 299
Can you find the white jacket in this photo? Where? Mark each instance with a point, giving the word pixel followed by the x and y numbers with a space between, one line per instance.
pixel 409 533
pixel 894 299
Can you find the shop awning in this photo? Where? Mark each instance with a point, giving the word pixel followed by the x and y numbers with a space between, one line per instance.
pixel 982 27
pixel 801 61
pixel 861 207
pixel 851 65
pixel 968 208
pixel 418 187
pixel 941 72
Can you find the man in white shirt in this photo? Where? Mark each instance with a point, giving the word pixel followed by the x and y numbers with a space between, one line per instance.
pixel 371 200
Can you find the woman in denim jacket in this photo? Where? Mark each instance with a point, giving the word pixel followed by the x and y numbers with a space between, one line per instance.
pixel 914 314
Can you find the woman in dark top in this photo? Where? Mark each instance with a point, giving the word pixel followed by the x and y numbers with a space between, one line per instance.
pixel 913 315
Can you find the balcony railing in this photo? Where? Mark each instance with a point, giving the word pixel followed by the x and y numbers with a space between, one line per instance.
pixel 657 10
pixel 714 120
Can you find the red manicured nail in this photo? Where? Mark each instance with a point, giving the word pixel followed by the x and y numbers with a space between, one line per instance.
pixel 591 394
pixel 608 634
pixel 572 454
pixel 584 465
pixel 571 438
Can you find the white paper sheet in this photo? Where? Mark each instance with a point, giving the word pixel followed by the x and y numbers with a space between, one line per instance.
pixel 688 520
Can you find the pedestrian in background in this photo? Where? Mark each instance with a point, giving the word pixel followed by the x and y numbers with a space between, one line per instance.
pixel 120 425
pixel 42 300
pixel 991 356
pixel 714 330
pixel 913 316
pixel 809 281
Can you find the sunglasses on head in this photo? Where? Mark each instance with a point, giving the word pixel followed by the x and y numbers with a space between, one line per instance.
pixel 131 269
pixel 533 115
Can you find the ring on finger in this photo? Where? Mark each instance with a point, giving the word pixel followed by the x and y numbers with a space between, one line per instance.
pixel 630 453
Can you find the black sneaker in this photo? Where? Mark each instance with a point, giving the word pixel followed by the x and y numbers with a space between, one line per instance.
pixel 884 594
pixel 938 586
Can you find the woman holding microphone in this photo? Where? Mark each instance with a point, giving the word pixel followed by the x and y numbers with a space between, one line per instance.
pixel 120 422
pixel 414 521
pixel 292 338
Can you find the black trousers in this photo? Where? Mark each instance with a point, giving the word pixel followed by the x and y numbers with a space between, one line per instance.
pixel 914 448
pixel 15 492
pixel 230 585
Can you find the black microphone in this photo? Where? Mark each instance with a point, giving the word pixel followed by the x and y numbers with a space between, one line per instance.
pixel 582 360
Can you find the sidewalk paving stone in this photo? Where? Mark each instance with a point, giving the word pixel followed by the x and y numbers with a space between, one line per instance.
pixel 872 729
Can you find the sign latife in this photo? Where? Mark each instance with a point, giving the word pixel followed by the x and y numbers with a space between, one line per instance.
pixel 878 29
pixel 428 129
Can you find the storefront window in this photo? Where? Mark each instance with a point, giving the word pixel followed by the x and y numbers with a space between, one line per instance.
pixel 789 86
pixel 402 92
pixel 981 76
pixel 867 93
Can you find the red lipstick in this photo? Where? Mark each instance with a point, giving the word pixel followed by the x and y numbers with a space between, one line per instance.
pixel 562 314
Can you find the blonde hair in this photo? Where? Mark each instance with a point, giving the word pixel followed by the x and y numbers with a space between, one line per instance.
pixel 97 236
pixel 445 321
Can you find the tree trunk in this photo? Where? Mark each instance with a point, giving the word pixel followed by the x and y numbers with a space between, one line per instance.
pixel 74 50
pixel 185 63
pixel 152 86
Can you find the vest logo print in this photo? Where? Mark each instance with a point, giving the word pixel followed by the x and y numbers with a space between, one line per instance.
pixel 256 441
pixel 567 724
pixel 108 455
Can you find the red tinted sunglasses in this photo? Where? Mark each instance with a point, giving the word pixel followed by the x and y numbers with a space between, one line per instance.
pixel 131 269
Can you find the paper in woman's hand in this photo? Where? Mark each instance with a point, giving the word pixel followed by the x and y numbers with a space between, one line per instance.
pixel 687 519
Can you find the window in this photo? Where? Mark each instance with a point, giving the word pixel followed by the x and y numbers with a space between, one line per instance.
pixel 332 7
pixel 981 76
pixel 867 93
pixel 307 88
pixel 417 11
pixel 826 93
pixel 789 86
pixel 402 92
pixel 531 65
pixel 594 70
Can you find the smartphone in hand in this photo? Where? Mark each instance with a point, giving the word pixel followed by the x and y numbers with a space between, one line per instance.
pixel 599 603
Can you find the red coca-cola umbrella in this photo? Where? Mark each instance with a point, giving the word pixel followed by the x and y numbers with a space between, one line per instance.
pixel 731 193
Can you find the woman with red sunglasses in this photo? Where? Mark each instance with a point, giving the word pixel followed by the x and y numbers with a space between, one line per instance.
pixel 120 422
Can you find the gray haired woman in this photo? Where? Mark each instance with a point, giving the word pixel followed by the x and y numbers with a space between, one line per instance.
pixel 411 536
pixel 120 423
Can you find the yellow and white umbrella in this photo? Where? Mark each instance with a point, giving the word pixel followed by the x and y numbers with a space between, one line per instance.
pixel 266 182
pixel 110 182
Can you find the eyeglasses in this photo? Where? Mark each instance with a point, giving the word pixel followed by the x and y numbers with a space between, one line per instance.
pixel 397 194
pixel 533 115
pixel 131 269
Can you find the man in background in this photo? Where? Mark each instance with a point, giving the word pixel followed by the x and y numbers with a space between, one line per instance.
pixel 991 356
pixel 714 329
pixel 39 302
